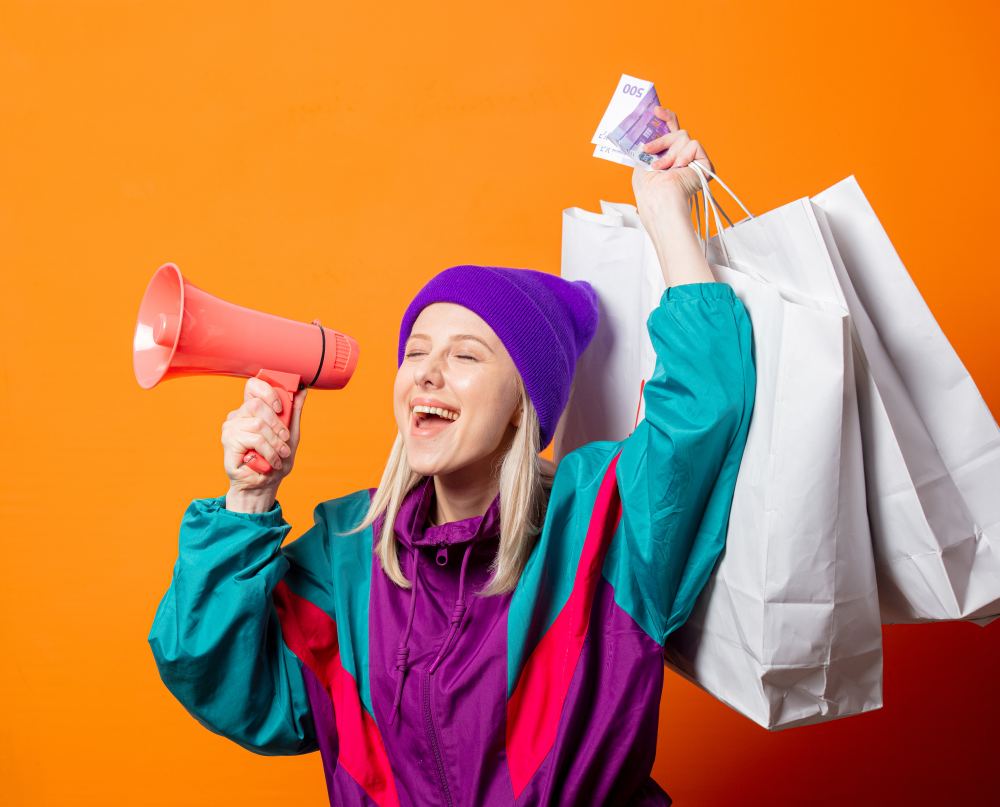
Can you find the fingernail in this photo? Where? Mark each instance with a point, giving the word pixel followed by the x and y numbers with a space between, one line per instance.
pixel 277 406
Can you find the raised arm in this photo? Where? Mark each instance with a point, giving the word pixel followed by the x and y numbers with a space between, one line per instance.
pixel 677 471
pixel 216 637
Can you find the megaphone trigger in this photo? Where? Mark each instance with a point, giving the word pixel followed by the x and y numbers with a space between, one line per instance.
pixel 285 385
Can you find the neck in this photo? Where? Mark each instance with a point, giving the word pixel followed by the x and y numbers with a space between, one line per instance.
pixel 468 492
pixel 456 503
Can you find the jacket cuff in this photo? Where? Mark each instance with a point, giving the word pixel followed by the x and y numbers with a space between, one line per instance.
pixel 269 518
pixel 713 290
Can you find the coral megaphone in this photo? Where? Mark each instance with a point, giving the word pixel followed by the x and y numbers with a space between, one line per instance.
pixel 182 330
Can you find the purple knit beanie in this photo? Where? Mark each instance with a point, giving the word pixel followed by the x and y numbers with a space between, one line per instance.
pixel 544 321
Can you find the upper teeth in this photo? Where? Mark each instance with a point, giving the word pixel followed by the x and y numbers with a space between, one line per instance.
pixel 434 410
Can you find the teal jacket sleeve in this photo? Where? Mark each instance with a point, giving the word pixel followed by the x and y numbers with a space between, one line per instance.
pixel 677 471
pixel 216 637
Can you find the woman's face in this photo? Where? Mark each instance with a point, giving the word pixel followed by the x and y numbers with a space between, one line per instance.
pixel 454 358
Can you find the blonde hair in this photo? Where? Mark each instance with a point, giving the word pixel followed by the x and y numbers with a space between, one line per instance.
pixel 525 482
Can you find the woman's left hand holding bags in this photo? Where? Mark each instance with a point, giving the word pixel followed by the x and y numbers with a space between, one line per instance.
pixel 669 177
pixel 662 194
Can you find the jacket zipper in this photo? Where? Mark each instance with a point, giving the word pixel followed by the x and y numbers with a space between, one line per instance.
pixel 432 736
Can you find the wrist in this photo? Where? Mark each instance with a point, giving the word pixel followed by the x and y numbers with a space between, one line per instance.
pixel 250 501
pixel 667 221
pixel 665 211
pixel 678 247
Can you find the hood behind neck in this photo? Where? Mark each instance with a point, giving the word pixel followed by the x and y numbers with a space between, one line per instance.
pixel 413 529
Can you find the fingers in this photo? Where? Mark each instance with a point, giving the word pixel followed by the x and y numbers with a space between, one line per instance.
pixel 680 154
pixel 273 437
pixel 687 153
pixel 256 407
pixel 670 157
pixel 264 445
pixel 680 149
pixel 660 143
pixel 249 477
pixel 256 387
pixel 241 434
pixel 694 151
pixel 667 115
pixel 256 426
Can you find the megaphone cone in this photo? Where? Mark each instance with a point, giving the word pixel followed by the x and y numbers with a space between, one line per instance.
pixel 182 330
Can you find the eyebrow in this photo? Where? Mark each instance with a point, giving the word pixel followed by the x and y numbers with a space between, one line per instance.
pixel 456 338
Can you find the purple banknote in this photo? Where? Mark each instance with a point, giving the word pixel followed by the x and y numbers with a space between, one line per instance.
pixel 639 127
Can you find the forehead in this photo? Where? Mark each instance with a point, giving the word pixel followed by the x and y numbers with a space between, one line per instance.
pixel 443 320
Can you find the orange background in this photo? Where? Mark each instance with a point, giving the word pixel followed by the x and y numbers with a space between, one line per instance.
pixel 324 160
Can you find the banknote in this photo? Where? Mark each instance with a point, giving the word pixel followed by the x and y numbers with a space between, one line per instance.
pixel 629 123
pixel 610 152
pixel 639 128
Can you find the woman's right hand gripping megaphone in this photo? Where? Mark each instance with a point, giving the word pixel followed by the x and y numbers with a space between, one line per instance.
pixel 256 425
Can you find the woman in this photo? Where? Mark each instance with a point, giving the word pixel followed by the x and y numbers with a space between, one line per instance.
pixel 474 631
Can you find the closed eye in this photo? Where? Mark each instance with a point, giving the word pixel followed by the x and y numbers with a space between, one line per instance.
pixel 419 353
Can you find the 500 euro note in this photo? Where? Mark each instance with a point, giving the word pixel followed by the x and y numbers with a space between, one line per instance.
pixel 629 123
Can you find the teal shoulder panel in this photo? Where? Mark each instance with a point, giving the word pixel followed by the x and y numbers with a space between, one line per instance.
pixel 333 571
pixel 547 579
pixel 620 575
pixel 676 475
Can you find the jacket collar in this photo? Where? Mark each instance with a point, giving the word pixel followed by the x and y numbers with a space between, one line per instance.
pixel 412 526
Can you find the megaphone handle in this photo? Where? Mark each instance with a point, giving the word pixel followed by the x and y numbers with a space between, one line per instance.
pixel 285 385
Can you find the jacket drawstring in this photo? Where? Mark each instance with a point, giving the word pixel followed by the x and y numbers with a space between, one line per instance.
pixel 458 613
pixel 403 651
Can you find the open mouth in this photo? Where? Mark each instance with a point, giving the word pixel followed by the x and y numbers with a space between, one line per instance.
pixel 428 424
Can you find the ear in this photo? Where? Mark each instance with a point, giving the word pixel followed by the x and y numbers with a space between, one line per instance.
pixel 516 419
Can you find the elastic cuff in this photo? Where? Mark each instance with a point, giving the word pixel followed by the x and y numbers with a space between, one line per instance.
pixel 269 518
pixel 712 290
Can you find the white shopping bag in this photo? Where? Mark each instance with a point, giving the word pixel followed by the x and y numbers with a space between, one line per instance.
pixel 931 445
pixel 601 249
pixel 787 629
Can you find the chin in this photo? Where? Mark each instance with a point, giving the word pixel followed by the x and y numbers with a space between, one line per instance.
pixel 426 468
pixel 423 462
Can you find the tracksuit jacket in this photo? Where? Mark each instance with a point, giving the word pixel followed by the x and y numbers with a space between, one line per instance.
pixel 431 695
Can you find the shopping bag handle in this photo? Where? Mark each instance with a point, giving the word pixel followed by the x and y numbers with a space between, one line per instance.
pixel 701 170
pixel 699 167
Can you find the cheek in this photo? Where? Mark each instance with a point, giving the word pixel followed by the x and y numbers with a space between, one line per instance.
pixel 492 405
pixel 399 396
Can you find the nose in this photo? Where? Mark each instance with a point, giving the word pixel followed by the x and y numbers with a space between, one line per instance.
pixel 428 371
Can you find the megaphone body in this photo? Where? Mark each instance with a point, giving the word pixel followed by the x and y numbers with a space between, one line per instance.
pixel 182 330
